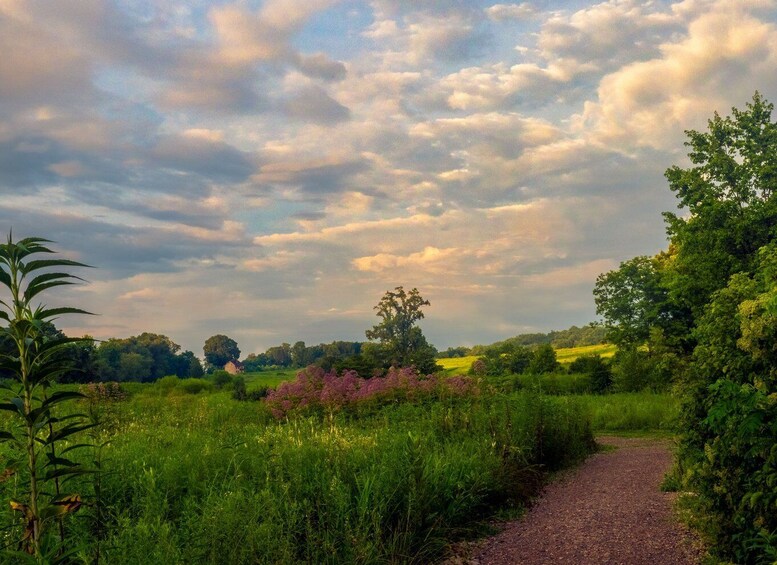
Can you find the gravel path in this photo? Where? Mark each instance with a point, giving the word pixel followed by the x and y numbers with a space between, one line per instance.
pixel 609 510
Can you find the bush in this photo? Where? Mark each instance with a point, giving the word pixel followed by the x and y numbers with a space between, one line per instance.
pixel 597 369
pixel 258 393
pixel 239 391
pixel 478 368
pixel 221 379
pixel 195 386
pixel 544 360
pixel 165 385
pixel 314 389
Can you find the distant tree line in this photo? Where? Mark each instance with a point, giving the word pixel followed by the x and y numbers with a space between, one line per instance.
pixel 144 358
pixel 301 355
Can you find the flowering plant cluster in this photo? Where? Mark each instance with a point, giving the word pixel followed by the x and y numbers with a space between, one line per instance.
pixel 316 389
pixel 102 392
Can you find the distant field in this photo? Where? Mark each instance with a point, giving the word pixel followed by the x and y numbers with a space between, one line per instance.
pixel 459 365
pixel 569 354
pixel 268 378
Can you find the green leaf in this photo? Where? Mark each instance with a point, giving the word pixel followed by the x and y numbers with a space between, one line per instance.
pixel 68 431
pixel 9 406
pixel 76 446
pixel 32 291
pixel 54 460
pixel 66 472
pixel 7 436
pixel 61 396
pixel 46 263
pixel 44 314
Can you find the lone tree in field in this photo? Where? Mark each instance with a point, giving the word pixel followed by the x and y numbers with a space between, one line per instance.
pixel 220 350
pixel 401 340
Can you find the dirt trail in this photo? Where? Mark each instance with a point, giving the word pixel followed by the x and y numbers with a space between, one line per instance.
pixel 607 511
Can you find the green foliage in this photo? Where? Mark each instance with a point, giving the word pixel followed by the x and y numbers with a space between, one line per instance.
pixel 220 350
pixel 239 391
pixel 713 293
pixel 144 358
pixel 402 342
pixel 195 386
pixel 221 379
pixel 597 369
pixel 632 300
pixel 543 360
pixel 729 197
pixel 36 433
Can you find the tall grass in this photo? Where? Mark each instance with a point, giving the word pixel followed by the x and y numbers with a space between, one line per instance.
pixel 631 412
pixel 206 479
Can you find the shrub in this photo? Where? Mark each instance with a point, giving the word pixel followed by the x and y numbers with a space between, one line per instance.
pixel 195 386
pixel 258 393
pixel 103 392
pixel 478 368
pixel 544 360
pixel 239 391
pixel 597 369
pixel 315 389
pixel 167 384
pixel 221 379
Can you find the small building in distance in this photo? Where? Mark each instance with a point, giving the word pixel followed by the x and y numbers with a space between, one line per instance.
pixel 234 367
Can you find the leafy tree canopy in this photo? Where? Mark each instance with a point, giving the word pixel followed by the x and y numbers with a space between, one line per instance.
pixel 220 350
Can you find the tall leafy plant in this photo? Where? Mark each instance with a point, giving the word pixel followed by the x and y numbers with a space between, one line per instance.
pixel 38 424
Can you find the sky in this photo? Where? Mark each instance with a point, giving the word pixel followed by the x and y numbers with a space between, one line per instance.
pixel 268 169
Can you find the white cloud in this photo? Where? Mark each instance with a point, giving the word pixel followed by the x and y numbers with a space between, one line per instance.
pixel 507 12
pixel 726 55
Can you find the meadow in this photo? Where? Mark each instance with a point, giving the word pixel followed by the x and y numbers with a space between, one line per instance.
pixel 188 474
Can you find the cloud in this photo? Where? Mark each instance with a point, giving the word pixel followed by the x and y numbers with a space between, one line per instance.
pixel 195 152
pixel 507 12
pixel 281 164
pixel 726 54
pixel 315 105
pixel 431 259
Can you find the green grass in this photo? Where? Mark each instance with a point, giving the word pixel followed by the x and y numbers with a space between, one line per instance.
pixel 632 412
pixel 269 378
pixel 201 478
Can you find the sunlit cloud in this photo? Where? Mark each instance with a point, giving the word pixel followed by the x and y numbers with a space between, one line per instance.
pixel 268 169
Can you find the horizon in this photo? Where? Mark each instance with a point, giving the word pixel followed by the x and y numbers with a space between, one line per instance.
pixel 267 170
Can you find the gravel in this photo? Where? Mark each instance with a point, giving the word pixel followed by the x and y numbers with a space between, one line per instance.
pixel 609 510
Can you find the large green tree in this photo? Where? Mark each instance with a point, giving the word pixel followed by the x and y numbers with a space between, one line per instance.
pixel 220 350
pixel 401 340
pixel 728 195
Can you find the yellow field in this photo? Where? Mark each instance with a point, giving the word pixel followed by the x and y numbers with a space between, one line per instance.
pixel 569 354
pixel 565 355
pixel 457 365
